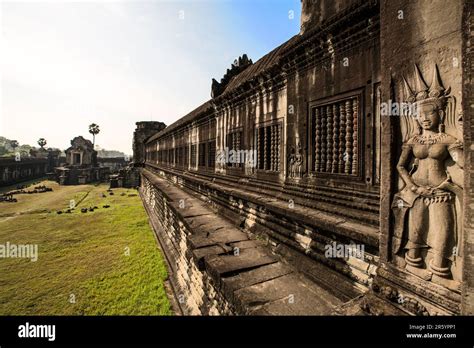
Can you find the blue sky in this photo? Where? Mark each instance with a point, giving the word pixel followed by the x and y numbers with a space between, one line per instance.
pixel 67 64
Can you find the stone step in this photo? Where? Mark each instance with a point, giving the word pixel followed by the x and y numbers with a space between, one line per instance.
pixel 208 238
pixel 290 294
pixel 246 273
pixel 255 276
pixel 220 265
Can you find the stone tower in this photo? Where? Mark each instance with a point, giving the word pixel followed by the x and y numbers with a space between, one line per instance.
pixel 144 130
pixel 313 12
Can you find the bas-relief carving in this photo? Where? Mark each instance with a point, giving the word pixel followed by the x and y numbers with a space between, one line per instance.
pixel 295 163
pixel 427 229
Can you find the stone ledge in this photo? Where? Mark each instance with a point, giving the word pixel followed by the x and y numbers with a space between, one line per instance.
pixel 283 229
pixel 345 226
pixel 253 280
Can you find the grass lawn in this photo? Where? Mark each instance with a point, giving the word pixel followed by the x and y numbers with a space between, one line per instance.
pixel 104 262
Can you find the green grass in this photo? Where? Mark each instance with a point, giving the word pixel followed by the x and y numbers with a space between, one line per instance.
pixel 104 262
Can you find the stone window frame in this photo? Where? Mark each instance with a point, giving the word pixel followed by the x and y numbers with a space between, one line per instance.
pixel 73 153
pixel 193 160
pixel 355 173
pixel 168 157
pixel 186 155
pixel 279 165
pixel 180 156
pixel 211 159
pixel 230 134
pixel 202 154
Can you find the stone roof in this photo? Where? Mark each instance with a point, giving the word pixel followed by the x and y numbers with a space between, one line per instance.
pixel 82 143
pixel 183 120
pixel 264 63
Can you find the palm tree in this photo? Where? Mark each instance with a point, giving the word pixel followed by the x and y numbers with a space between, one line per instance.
pixel 94 129
pixel 42 142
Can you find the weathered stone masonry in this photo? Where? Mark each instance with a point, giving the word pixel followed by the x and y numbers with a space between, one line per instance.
pixel 325 169
pixel 13 171
pixel 216 269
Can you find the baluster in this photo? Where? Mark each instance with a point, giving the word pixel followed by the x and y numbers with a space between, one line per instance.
pixel 265 137
pixel 234 140
pixel 348 155
pixel 355 148
pixel 278 148
pixel 329 126
pixel 323 139
pixel 335 148
pixel 238 146
pixel 317 140
pixel 259 147
pixel 272 147
pixel 342 136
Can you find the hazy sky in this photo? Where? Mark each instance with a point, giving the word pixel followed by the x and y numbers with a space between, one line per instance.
pixel 67 64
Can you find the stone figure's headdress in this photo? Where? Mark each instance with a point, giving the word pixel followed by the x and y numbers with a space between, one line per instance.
pixel 436 93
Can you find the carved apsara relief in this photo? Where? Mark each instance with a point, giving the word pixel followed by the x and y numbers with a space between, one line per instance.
pixel 295 163
pixel 427 210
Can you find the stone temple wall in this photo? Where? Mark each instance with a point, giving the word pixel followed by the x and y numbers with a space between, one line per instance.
pixel 192 287
pixel 333 157
pixel 12 171
pixel 421 51
pixel 293 234
pixel 297 196
pixel 217 268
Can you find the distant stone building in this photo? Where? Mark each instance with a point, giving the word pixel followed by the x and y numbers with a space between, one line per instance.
pixel 81 153
pixel 39 153
pixel 19 168
pixel 349 136
pixel 144 130
pixel 129 176
pixel 15 170
pixel 113 163
pixel 81 164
